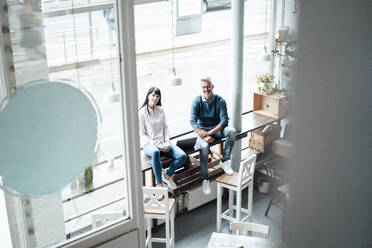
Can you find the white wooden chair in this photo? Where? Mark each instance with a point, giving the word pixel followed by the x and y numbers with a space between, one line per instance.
pixel 159 209
pixel 249 229
pixel 236 182
pixel 100 219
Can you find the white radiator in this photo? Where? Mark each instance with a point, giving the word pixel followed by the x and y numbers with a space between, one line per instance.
pixel 195 197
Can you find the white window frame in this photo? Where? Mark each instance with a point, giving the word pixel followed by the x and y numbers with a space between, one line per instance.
pixel 132 227
pixel 3 78
pixel 3 89
pixel 128 75
pixel 137 2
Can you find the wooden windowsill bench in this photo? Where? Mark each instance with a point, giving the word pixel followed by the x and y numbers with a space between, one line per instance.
pixel 190 174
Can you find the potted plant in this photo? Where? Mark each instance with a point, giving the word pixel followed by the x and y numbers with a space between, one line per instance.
pixel 86 178
pixel 265 82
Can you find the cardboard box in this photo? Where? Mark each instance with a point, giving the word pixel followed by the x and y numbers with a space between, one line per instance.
pixel 274 105
pixel 262 142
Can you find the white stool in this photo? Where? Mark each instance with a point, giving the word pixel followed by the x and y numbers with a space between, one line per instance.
pixel 236 182
pixel 163 210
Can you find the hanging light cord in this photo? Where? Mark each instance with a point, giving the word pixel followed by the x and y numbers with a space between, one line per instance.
pixel 112 72
pixel 265 24
pixel 111 66
pixel 75 39
pixel 173 69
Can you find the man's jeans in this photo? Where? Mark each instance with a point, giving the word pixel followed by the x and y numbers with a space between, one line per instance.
pixel 175 152
pixel 229 133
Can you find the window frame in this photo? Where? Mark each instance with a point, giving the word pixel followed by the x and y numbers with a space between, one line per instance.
pixel 134 224
pixel 3 75
pixel 128 81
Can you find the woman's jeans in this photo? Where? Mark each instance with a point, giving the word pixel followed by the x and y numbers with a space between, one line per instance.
pixel 175 152
pixel 229 133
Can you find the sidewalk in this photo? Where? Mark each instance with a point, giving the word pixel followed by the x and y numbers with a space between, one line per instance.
pixel 154 33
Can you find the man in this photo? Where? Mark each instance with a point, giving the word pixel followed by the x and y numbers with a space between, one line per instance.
pixel 209 120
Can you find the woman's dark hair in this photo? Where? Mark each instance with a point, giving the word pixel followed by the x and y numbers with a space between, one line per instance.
pixel 150 91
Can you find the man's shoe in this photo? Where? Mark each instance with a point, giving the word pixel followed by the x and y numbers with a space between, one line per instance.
pixel 226 166
pixel 206 187
pixel 170 183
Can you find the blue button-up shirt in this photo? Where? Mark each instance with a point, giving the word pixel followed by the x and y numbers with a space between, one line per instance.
pixel 209 113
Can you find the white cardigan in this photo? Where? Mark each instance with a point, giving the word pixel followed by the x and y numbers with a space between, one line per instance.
pixel 153 126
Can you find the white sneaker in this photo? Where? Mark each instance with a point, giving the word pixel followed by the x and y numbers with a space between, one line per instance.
pixel 170 183
pixel 226 166
pixel 206 187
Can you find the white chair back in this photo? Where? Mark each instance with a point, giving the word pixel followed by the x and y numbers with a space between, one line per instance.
pixel 249 229
pixel 152 204
pixel 246 170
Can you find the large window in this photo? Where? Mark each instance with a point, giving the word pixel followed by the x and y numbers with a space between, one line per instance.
pixel 196 55
pixel 76 42
pixel 257 28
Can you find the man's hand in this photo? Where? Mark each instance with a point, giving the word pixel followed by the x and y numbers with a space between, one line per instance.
pixel 214 130
pixel 208 139
pixel 209 133
pixel 201 132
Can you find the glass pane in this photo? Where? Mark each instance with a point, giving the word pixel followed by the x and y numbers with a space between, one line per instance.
pixel 197 55
pixel 256 37
pixel 65 4
pixel 76 46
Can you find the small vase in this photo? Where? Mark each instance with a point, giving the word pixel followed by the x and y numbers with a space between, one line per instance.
pixel 265 88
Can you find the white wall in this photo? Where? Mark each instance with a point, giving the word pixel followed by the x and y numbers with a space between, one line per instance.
pixel 332 170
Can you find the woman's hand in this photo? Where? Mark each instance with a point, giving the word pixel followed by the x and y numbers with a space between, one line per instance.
pixel 164 150
pixel 164 146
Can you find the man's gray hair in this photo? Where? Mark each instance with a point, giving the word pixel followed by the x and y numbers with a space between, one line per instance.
pixel 206 79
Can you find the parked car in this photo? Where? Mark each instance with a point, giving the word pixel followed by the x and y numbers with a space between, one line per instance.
pixel 207 4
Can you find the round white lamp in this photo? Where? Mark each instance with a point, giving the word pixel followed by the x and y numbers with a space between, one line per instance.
pixel 264 55
pixel 173 79
pixel 113 96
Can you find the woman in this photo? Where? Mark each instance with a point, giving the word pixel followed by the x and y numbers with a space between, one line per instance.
pixel 155 137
